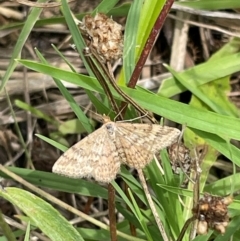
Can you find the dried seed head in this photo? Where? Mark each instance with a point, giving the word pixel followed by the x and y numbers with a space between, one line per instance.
pixel 213 211
pixel 106 36
pixel 181 160
pixel 180 157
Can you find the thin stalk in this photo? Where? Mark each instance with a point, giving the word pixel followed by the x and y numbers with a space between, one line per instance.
pixel 152 206
pixel 97 72
pixel 27 154
pixel 107 76
pixel 196 190
pixel 111 191
pixel 184 229
pixel 148 47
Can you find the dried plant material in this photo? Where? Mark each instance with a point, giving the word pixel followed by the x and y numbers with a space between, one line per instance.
pixel 41 5
pixel 212 212
pixel 105 34
pixel 180 157
pixel 9 145
pixel 101 153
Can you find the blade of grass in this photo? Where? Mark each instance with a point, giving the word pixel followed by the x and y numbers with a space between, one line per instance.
pixel 79 113
pixel 60 203
pixel 95 101
pixel 130 36
pixel 199 94
pixel 35 112
pixel 105 6
pixel 54 225
pixel 27 235
pixel 184 114
pixel 201 74
pixel 211 5
pixel 6 230
pixel 140 217
pixel 61 183
pixel 220 145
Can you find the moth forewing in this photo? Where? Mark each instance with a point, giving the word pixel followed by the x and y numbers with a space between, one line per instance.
pixel 94 156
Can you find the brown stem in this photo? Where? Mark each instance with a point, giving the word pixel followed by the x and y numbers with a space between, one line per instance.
pixel 96 69
pixel 149 43
pixel 111 212
pixel 147 48
pixel 133 81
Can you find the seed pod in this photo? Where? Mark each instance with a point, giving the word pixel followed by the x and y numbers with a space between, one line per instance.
pixel 106 36
pixel 202 227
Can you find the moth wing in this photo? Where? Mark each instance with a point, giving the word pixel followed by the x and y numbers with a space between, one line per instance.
pixel 94 156
pixel 139 142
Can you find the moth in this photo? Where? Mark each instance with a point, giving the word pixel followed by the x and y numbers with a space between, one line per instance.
pixel 101 153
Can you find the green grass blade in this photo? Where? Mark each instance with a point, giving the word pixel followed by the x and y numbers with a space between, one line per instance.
pixel 201 74
pixel 77 110
pixel 27 236
pixel 42 214
pixel 140 217
pixel 184 114
pixel 105 6
pixel 211 5
pixel 130 37
pixel 209 100
pixel 57 182
pixel 35 112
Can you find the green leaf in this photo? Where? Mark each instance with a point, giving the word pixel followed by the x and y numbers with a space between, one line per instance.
pixel 58 145
pixel 73 126
pixel 35 112
pixel 201 74
pixel 224 186
pixel 140 217
pixel 211 5
pixel 105 6
pixel 61 183
pixel 172 211
pixel 130 37
pixel 151 9
pixel 212 94
pixel 27 236
pixel 220 144
pixel 50 221
pixel 77 110
pixel 184 114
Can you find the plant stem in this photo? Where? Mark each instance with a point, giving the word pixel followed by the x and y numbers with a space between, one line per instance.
pixel 152 206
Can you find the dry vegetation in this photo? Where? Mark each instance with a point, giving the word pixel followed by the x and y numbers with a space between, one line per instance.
pixel 31 103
